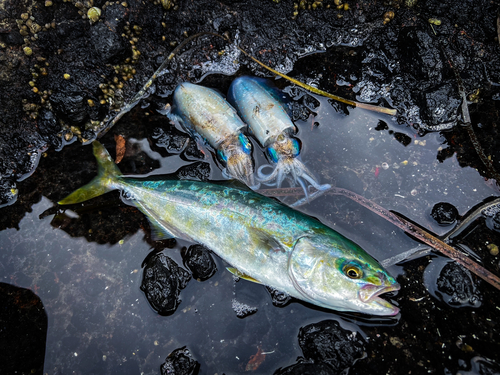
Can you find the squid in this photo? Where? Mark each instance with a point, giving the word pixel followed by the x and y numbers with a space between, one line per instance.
pixel 204 111
pixel 262 107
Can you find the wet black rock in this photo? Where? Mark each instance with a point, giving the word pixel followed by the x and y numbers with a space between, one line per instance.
pixel 14 38
pixel 199 261
pixel 49 127
pixel 492 215
pixel 482 366
pixel 440 106
pixel 327 342
pixel 23 323
pixel 180 362
pixel 420 55
pixel 403 55
pixel 70 105
pixel 457 286
pixel 192 151
pixel 306 368
pixel 115 17
pixel 162 282
pixel 196 171
pixel 107 43
pixel 280 299
pixel 444 213
pixel 7 192
pixel 170 139
pixel 494 222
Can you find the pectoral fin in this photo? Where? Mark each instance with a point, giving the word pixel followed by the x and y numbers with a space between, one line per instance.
pixel 160 230
pixel 241 275
pixel 266 241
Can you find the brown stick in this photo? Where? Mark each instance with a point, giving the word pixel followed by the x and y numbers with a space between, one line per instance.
pixel 410 228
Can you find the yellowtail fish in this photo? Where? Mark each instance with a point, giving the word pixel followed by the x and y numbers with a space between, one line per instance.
pixel 261 106
pixel 263 240
pixel 205 112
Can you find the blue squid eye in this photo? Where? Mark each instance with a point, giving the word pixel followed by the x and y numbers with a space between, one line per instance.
pixel 245 144
pixel 295 147
pixel 273 155
pixel 222 156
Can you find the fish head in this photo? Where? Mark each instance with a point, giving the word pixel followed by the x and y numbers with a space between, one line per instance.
pixel 339 275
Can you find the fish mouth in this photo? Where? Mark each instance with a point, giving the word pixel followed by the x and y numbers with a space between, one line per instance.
pixel 369 294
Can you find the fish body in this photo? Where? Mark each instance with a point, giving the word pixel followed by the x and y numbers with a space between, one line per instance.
pixel 204 111
pixel 264 240
pixel 262 107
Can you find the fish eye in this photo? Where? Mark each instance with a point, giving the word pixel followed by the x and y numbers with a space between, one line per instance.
pixel 273 155
pixel 352 272
pixel 245 143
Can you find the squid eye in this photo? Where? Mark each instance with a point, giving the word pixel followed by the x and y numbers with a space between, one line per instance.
pixel 245 144
pixel 222 156
pixel 273 155
pixel 295 147
pixel 352 272
pixel 281 138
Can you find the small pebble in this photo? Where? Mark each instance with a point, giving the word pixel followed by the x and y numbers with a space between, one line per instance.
pixel 493 249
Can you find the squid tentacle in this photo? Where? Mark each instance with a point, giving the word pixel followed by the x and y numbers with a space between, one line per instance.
pixel 315 184
pixel 265 178
pixel 297 173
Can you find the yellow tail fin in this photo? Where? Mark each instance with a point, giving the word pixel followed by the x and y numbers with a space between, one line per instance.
pixel 108 173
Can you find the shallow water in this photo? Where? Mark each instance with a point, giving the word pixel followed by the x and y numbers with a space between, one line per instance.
pixel 100 321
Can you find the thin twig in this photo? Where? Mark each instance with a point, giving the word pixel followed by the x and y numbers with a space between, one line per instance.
pixel 110 121
pixel 410 228
pixel 315 90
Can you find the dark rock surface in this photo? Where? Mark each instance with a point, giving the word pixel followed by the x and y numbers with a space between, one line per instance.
pixel 327 342
pixel 180 362
pixel 162 282
pixel 23 323
pixel 444 213
pixel 198 260
pixel 86 260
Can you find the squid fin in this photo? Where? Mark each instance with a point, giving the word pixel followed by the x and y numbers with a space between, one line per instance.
pixel 241 275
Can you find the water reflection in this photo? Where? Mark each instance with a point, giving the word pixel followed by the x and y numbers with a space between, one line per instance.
pixel 100 321
pixel 24 329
